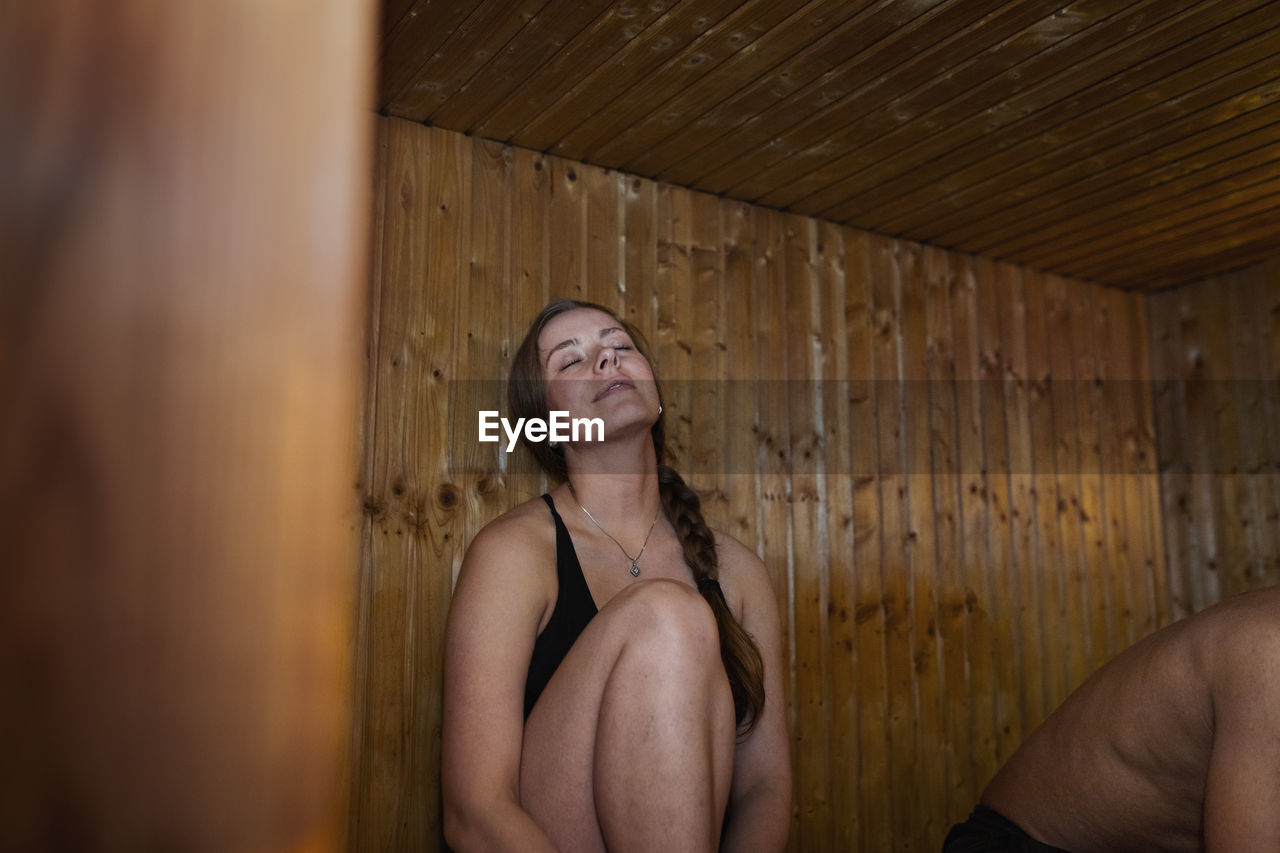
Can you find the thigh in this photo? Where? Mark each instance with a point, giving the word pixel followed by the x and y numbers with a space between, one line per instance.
pixel 558 756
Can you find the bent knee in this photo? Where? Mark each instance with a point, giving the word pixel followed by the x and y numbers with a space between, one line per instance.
pixel 667 612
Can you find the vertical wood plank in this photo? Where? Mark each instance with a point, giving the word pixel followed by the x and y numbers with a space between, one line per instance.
pixel 674 352
pixel 1117 426
pixel 1269 320
pixel 809 593
pixel 922 549
pixel 604 229
pixel 433 522
pixel 873 828
pixel 1010 298
pixel 704 333
pixel 1092 509
pixel 1168 389
pixel 984 749
pixel 1057 629
pixel 1197 360
pixel 1247 427
pixel 1264 456
pixel 837 501
pixel 483 341
pixel 1220 337
pixel 1005 599
pixel 741 316
pixel 1141 457
pixel 773 460
pixel 1067 475
pixel 946 473
pixel 640 255
pixel 384 581
pixel 567 234
pixel 886 307
pixel 530 271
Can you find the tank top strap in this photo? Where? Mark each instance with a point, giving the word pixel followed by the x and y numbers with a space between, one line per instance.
pixel 546 496
pixel 568 569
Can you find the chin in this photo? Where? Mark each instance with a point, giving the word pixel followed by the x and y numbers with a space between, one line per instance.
pixel 626 422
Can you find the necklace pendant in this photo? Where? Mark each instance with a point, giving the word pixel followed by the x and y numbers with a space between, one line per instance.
pixel 635 570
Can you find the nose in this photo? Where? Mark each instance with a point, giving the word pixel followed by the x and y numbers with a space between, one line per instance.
pixel 608 354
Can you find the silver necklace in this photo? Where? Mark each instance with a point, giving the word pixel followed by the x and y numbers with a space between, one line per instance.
pixel 635 567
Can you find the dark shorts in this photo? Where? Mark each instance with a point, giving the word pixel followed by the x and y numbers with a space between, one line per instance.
pixel 988 831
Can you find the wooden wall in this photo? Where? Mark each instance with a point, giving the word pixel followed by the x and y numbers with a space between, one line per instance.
pixel 1215 362
pixel 955 540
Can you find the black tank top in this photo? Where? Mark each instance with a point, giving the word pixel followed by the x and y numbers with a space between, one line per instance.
pixel 574 609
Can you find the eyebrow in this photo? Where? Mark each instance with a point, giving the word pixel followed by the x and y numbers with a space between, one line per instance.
pixel 572 342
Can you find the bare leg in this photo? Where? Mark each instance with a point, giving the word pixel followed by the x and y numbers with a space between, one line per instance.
pixel 630 747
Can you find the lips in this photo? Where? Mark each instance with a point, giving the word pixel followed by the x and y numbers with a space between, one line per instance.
pixel 612 386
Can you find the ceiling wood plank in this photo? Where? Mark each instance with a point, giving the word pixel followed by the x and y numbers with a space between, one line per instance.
pixel 938 62
pixel 510 62
pixel 804 79
pixel 884 51
pixel 1106 197
pixel 1260 250
pixel 484 62
pixel 736 32
pixel 1122 128
pixel 1164 259
pixel 1130 90
pixel 1256 201
pixel 883 148
pixel 1227 97
pixel 641 57
pixel 418 33
pixel 612 38
pixel 394 13
pixel 770 58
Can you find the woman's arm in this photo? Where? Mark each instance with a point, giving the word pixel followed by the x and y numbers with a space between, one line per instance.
pixel 760 796
pixel 501 597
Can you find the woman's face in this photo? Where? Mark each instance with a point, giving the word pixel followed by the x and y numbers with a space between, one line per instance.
pixel 593 370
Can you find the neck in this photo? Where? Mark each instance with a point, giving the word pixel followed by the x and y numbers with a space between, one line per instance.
pixel 617 482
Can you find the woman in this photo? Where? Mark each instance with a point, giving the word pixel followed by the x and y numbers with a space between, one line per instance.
pixel 600 689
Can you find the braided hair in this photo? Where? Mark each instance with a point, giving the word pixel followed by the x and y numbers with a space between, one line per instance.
pixel 527 398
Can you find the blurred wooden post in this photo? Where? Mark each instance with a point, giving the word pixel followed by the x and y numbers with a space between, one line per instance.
pixel 183 215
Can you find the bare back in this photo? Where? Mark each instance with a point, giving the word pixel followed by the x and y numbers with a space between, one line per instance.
pixel 1127 761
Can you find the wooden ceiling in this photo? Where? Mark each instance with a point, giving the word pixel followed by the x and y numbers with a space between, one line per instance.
pixel 1132 143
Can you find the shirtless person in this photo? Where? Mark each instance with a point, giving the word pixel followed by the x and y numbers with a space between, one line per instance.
pixel 1172 746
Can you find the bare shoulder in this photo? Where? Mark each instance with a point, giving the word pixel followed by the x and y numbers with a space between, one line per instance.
pixel 1238 639
pixel 513 545
pixel 523 519
pixel 737 562
pixel 1235 625
pixel 742 574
